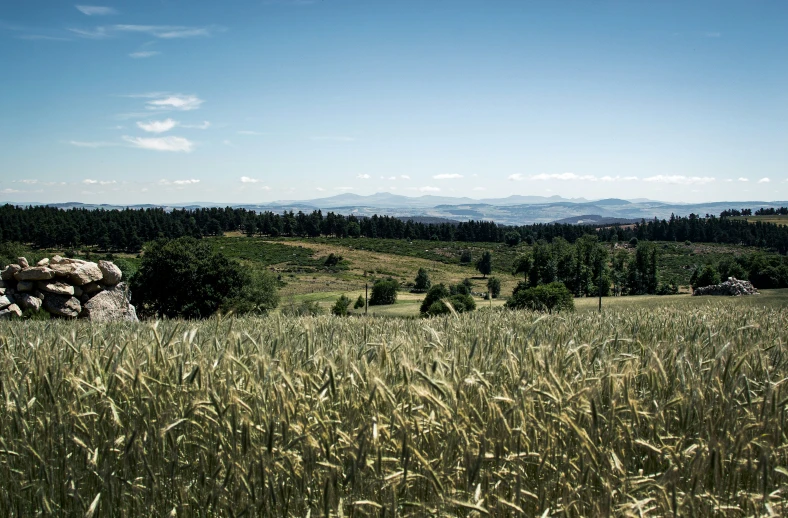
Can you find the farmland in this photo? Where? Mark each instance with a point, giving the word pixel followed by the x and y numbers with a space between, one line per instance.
pixel 664 410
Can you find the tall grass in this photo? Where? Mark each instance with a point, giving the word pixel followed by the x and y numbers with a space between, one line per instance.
pixel 659 413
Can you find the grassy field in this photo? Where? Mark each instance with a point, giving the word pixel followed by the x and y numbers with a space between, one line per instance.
pixel 776 219
pixel 644 410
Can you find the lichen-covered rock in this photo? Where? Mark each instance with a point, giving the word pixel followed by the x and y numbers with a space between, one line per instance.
pixel 9 272
pixel 110 305
pixel 43 262
pixel 85 273
pixel 112 274
pixel 63 269
pixel 35 273
pixel 56 287
pixel 62 306
pixel 11 311
pixel 29 301
pixel 22 261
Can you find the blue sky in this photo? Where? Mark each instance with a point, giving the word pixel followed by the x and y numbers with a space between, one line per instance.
pixel 250 101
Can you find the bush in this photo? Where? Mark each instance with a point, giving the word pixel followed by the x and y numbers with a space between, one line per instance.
pixel 494 287
pixel 707 277
pixel 462 288
pixel 484 265
pixel 304 309
pixel 546 297
pixel 187 278
pixel 633 242
pixel 341 306
pixel 460 303
pixel 359 302
pixel 435 294
pixel 384 292
pixel 731 268
pixel 332 260
pixel 466 257
pixel 423 281
pixel 668 288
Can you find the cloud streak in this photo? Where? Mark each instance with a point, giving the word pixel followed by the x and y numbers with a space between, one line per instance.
pixel 174 144
pixel 166 32
pixel 680 179
pixel 96 10
pixel 157 126
pixel 93 145
pixel 144 54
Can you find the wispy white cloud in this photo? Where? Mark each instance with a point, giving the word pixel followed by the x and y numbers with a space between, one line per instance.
pixel 764 180
pixel 618 178
pixel 329 138
pixel 364 176
pixel 157 126
pixel 80 143
pixel 680 180
pixel 175 102
pixel 429 189
pixel 447 176
pixel 319 189
pixel 144 54
pixel 567 177
pixel 392 178
pixel 202 126
pixel 404 177
pixel 191 181
pixel 96 10
pixel 516 177
pixel 9 191
pixel 177 144
pixel 156 31
pixel 744 179
pixel 88 181
pixel 246 179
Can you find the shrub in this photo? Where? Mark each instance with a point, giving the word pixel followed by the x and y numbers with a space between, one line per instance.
pixel 494 287
pixel 423 281
pixel 707 277
pixel 332 260
pixel 668 288
pixel 359 302
pixel 384 292
pixel 633 241
pixel 460 303
pixel 462 288
pixel 466 257
pixel 435 294
pixel 341 306
pixel 187 278
pixel 546 297
pixel 304 309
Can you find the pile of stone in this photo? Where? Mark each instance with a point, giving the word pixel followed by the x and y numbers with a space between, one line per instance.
pixel 66 288
pixel 733 287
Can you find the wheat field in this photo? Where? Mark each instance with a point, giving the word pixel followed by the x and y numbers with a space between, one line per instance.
pixel 625 413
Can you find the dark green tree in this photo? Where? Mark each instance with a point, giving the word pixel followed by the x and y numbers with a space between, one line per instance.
pixel 359 302
pixel 494 287
pixel 708 276
pixel 341 306
pixel 512 238
pixel 546 297
pixel 484 265
pixel 423 281
pixel 384 292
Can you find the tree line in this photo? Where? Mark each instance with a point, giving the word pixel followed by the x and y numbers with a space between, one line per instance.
pixel 128 229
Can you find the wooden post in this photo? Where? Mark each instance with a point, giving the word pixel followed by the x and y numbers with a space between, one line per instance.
pixel 366 298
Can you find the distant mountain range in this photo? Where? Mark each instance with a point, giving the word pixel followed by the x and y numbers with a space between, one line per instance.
pixel 513 210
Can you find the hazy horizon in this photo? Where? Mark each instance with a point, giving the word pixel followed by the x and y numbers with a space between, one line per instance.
pixel 165 103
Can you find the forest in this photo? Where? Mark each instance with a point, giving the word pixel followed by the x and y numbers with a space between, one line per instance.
pixel 128 229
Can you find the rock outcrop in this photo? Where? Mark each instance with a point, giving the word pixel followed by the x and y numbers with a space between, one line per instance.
pixel 66 288
pixel 733 287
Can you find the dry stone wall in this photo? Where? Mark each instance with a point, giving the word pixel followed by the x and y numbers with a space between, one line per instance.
pixel 66 288
pixel 733 287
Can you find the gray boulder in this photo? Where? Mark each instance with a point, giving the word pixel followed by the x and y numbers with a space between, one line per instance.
pixel 91 288
pixel 21 261
pixel 35 273
pixel 43 262
pixel 9 272
pixel 56 287
pixel 111 305
pixel 112 274
pixel 62 306
pixel 10 311
pixel 62 269
pixel 28 301
pixel 5 301
pixel 85 273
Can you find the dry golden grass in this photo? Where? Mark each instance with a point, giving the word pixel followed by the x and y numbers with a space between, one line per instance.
pixel 630 413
